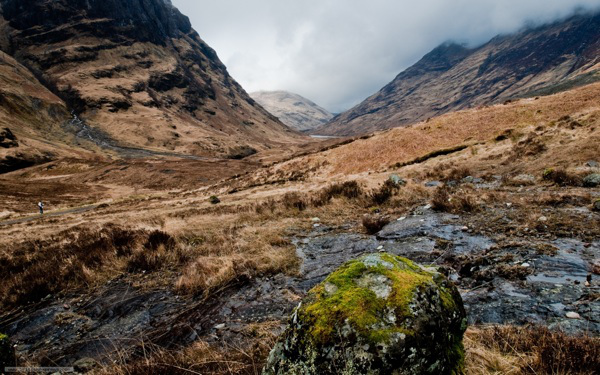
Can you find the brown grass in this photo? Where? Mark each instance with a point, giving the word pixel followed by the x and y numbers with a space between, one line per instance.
pixel 446 200
pixel 374 223
pixel 529 350
pixel 562 178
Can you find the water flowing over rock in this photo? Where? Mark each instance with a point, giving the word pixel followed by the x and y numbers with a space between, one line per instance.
pixel 379 314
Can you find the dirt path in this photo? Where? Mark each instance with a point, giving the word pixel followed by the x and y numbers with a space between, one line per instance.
pixel 50 214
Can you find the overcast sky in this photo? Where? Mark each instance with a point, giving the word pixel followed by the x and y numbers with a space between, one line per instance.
pixel 338 52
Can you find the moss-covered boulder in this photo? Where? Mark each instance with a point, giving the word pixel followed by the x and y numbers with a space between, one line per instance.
pixel 7 357
pixel 592 180
pixel 379 314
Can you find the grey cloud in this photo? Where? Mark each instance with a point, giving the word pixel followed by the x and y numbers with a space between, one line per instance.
pixel 338 52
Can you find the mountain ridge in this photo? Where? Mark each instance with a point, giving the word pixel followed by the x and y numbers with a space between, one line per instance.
pixel 137 71
pixel 453 77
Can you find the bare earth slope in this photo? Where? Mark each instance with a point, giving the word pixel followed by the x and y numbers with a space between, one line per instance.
pixel 137 71
pixel 292 109
pixel 533 62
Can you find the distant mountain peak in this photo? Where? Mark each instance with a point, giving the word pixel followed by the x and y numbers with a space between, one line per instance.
pixel 292 109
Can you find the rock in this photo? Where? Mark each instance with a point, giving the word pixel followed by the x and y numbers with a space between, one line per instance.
pixel 596 206
pixel 7 139
pixel 592 180
pixel 375 315
pixel 315 220
pixel 524 179
pixel 543 219
pixel 85 365
pixel 468 180
pixel 433 184
pixel 401 218
pixel 573 315
pixel 525 265
pixel 592 164
pixel 397 180
pixel 7 357
pixel 220 326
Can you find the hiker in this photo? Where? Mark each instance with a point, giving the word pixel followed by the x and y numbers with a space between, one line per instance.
pixel 41 206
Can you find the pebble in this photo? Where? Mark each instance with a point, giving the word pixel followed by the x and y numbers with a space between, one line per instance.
pixel 317 225
pixel 543 219
pixel 526 265
pixel 402 218
pixel 573 315
pixel 509 205
pixel 315 220
pixel 66 307
pixel 464 229
pixel 587 284
pixel 220 326
pixel 380 247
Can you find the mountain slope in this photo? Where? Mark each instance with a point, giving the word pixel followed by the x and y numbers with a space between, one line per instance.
pixel 536 61
pixel 292 109
pixel 139 73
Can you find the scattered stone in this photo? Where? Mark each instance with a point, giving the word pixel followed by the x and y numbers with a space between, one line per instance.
pixel 524 179
pixel 592 164
pixel 543 219
pixel 85 365
pixel 596 206
pixel 433 184
pixel 380 248
pixel 592 180
pixel 509 205
pixel 573 315
pixel 316 225
pixel 220 326
pixel 587 284
pixel 464 229
pixel 385 313
pixel 315 220
pixel 401 218
pixel 468 180
pixel 66 307
pixel 397 180
pixel 525 265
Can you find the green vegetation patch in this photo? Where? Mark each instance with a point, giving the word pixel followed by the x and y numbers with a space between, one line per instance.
pixel 343 297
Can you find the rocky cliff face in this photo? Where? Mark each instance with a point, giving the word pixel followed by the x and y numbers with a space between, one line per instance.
pixel 137 71
pixel 293 110
pixel 533 62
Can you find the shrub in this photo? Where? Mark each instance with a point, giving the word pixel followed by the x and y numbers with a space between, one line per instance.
pixel 384 193
pixel 293 200
pixel 374 223
pixel 347 189
pixel 444 201
pixel 561 177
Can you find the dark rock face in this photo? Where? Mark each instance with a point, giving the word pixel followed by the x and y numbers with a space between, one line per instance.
pixel 135 20
pixel 6 353
pixel 379 314
pixel 538 61
pixel 8 139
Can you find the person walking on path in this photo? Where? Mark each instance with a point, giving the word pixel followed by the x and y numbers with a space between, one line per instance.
pixel 41 206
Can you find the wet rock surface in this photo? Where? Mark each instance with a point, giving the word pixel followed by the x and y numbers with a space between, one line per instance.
pixel 502 279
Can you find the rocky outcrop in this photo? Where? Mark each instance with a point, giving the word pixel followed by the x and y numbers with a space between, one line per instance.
pixel 293 110
pixel 538 61
pixel 379 314
pixel 137 71
pixel 8 139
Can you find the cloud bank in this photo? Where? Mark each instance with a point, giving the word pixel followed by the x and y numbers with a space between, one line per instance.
pixel 338 52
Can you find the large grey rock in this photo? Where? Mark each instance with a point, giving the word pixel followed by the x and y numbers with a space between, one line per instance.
pixel 592 180
pixel 379 314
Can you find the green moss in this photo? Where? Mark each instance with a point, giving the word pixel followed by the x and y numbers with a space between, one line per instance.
pixel 360 306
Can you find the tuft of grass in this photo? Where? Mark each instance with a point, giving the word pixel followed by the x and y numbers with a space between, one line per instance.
pixel 562 177
pixel 447 201
pixel 374 223
pixel 529 350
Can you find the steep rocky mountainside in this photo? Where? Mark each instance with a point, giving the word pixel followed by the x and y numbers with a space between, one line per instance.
pixel 292 109
pixel 538 61
pixel 137 72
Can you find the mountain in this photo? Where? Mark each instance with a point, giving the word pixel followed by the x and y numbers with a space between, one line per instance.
pixel 293 110
pixel 138 75
pixel 535 61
